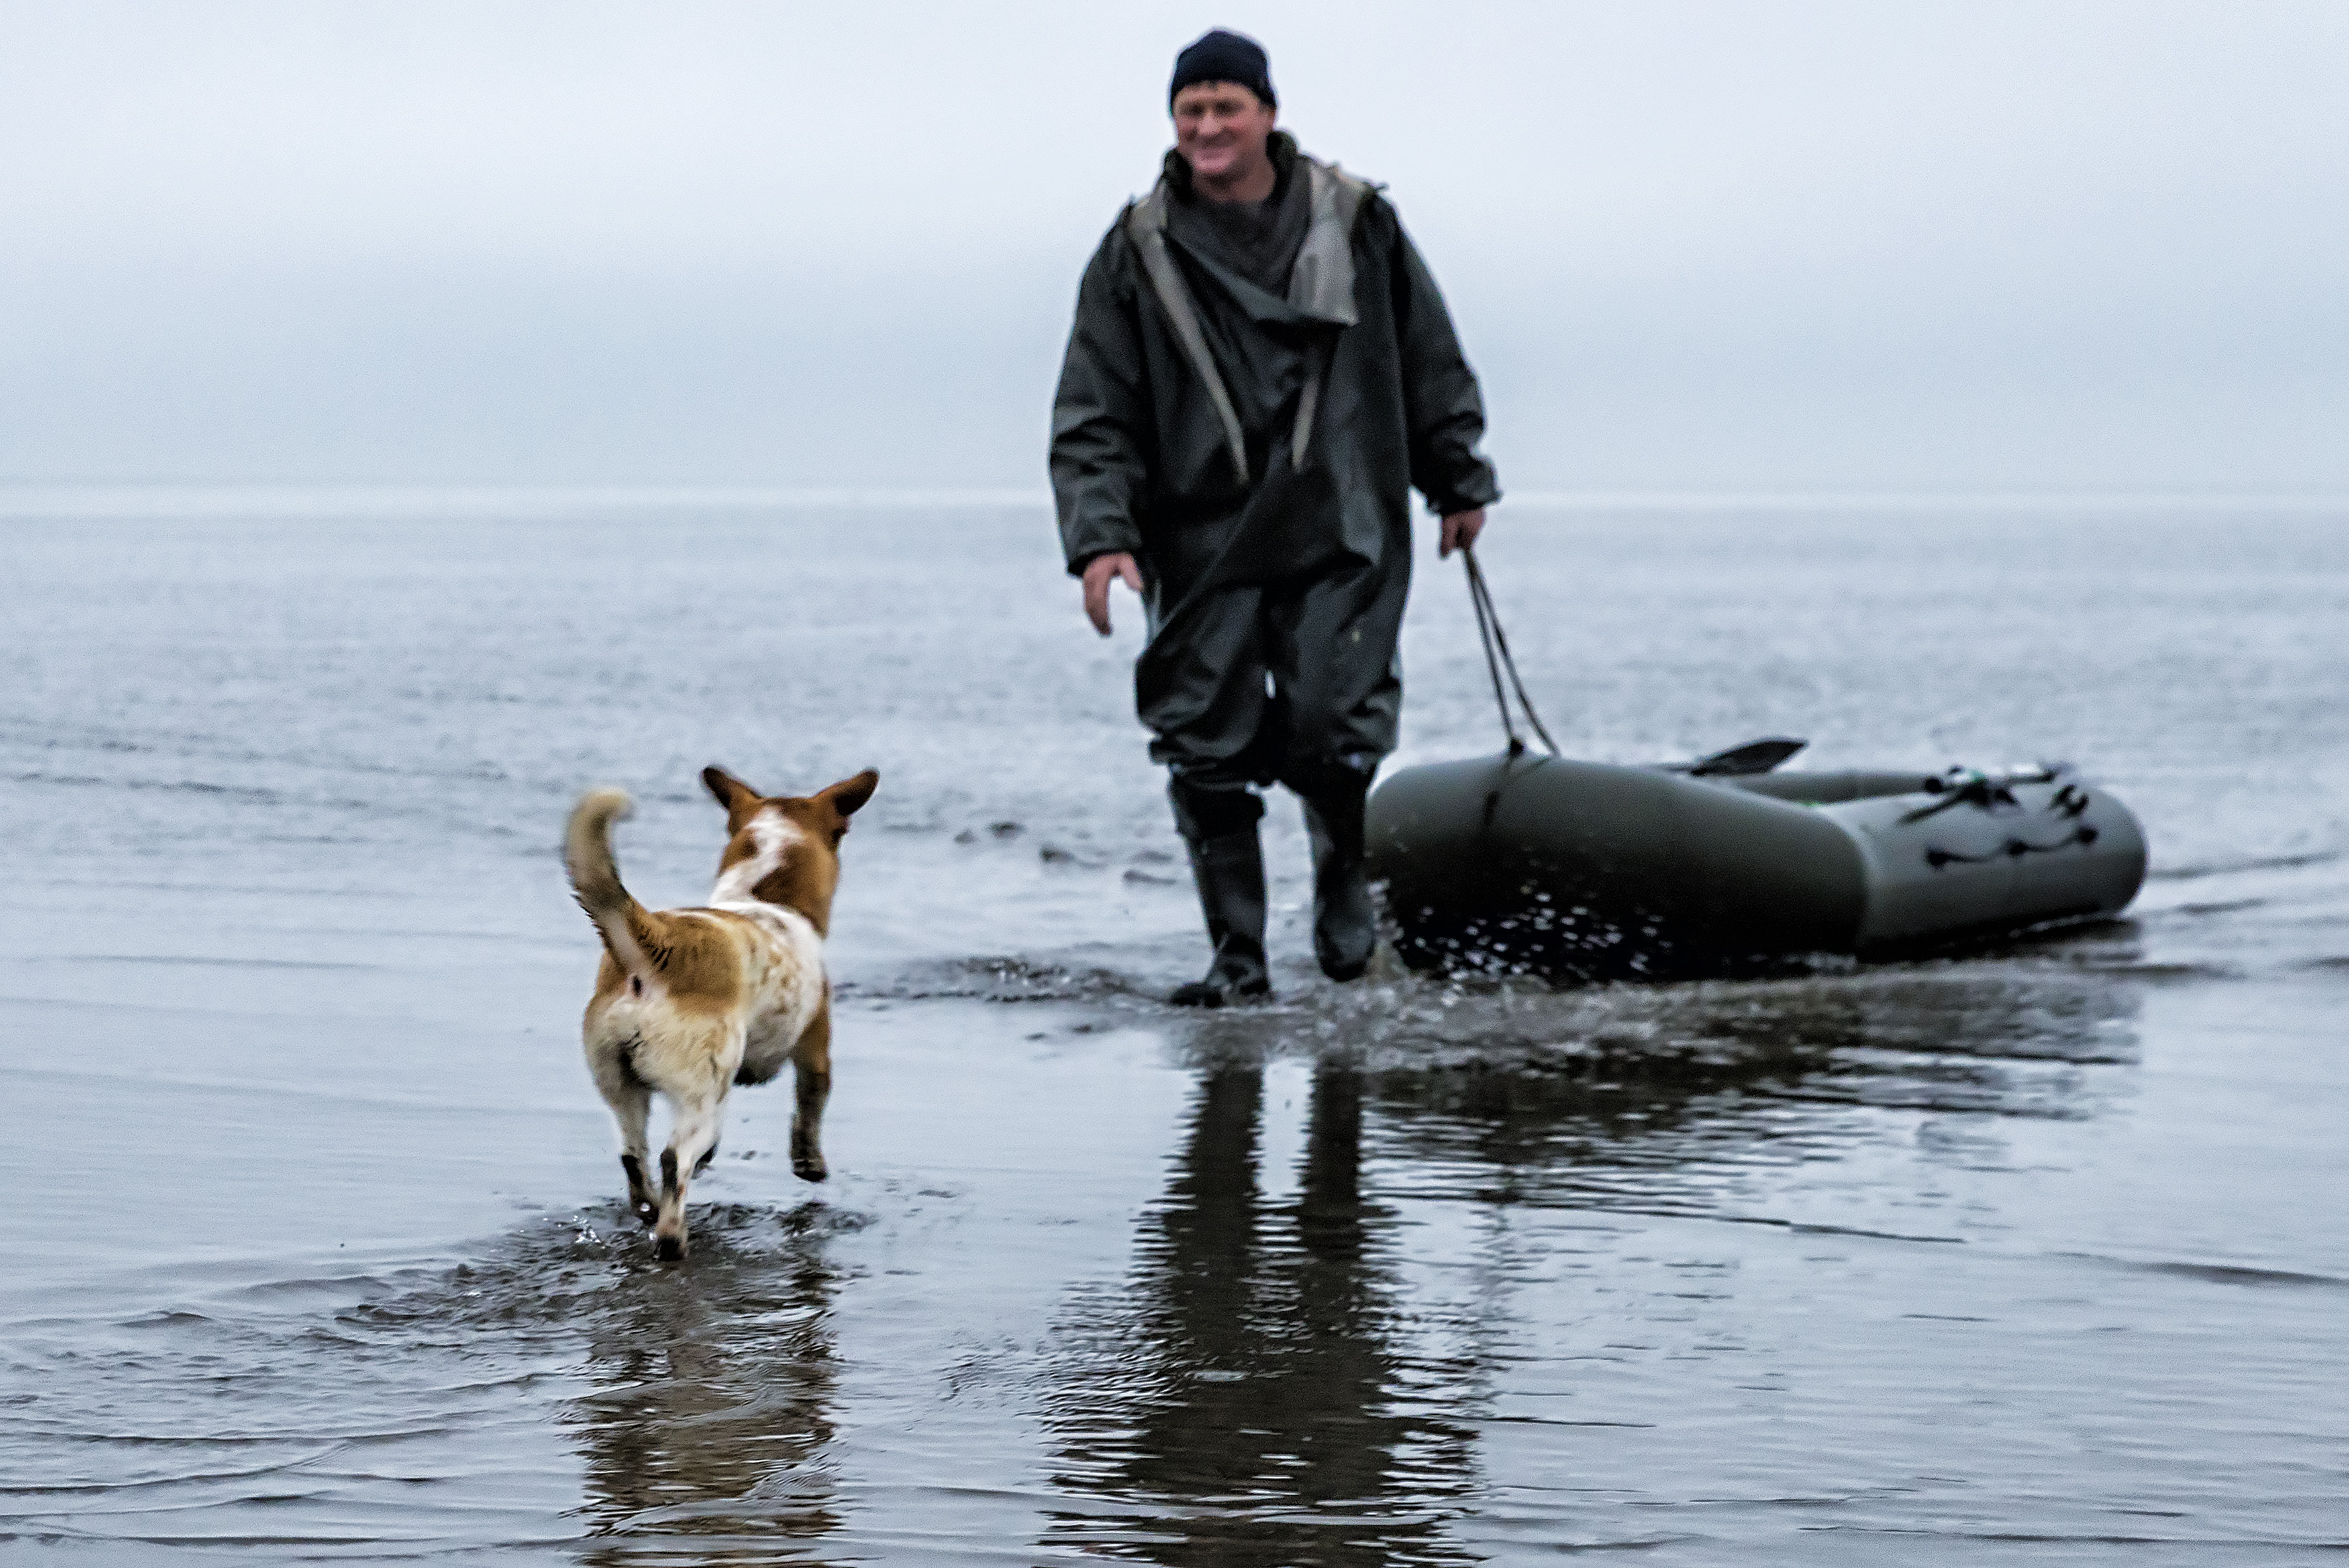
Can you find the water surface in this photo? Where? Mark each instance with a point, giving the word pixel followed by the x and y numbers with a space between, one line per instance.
pixel 2037 1254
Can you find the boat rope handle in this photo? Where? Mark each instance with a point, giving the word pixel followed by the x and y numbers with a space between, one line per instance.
pixel 2015 849
pixel 1498 657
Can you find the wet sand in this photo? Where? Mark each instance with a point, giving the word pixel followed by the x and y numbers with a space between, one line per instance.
pixel 2033 1255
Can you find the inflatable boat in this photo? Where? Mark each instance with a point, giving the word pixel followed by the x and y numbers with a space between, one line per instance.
pixel 1528 863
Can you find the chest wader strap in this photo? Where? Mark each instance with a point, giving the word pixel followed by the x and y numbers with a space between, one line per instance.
pixel 1321 284
pixel 1322 281
pixel 1146 225
pixel 1308 402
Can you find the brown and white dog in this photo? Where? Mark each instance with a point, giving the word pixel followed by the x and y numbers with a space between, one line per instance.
pixel 691 1002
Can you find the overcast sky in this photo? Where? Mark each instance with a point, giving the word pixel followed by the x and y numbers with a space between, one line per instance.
pixel 2095 246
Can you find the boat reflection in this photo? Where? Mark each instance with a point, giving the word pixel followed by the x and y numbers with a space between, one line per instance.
pixel 1258 1391
pixel 1648 1097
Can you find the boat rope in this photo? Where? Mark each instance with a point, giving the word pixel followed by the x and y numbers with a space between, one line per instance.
pixel 1972 786
pixel 1497 658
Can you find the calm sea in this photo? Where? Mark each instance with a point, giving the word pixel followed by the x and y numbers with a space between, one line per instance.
pixel 2039 1254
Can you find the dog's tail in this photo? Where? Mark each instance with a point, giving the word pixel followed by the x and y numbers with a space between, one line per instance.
pixel 626 926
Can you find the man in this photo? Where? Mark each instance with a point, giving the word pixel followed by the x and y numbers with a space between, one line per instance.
pixel 1261 367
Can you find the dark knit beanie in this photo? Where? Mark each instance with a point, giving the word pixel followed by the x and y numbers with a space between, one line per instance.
pixel 1222 56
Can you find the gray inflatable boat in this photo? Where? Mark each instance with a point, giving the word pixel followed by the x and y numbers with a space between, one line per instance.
pixel 1525 863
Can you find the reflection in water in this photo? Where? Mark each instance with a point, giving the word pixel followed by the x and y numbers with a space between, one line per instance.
pixel 714 1392
pixel 1256 1392
pixel 1248 1398
pixel 1648 1098
pixel 711 1388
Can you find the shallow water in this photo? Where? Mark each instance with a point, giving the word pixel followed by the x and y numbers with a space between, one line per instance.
pixel 2037 1254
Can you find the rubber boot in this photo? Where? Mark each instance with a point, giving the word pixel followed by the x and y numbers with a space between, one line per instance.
pixel 1345 923
pixel 1230 874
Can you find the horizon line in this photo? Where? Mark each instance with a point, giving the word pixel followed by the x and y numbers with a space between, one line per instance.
pixel 92 498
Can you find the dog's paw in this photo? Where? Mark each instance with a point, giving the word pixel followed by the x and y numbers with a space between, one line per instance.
pixel 647 1213
pixel 809 1167
pixel 669 1249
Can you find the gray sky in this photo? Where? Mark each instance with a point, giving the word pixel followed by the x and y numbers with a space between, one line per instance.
pixel 2089 245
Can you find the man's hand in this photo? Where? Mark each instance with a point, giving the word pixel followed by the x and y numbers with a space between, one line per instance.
pixel 1101 568
pixel 1460 531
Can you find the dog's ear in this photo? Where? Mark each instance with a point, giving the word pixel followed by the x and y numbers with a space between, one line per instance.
pixel 847 795
pixel 739 798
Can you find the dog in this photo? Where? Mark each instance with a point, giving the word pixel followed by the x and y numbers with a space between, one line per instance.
pixel 689 1002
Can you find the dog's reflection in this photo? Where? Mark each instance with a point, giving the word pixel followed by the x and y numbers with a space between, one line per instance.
pixel 715 1390
pixel 1251 1397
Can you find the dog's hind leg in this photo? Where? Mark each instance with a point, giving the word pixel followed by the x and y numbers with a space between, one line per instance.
pixel 693 1136
pixel 812 1078
pixel 631 1103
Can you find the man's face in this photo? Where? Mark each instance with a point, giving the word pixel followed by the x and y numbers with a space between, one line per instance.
pixel 1220 127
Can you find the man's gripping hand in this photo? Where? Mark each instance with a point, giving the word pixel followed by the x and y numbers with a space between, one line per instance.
pixel 1098 572
pixel 1460 531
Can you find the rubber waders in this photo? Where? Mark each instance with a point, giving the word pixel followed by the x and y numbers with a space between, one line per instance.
pixel 1230 873
pixel 1345 926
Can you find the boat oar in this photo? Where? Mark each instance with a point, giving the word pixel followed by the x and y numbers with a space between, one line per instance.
pixel 1738 761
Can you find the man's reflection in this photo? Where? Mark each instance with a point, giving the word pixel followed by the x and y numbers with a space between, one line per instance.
pixel 1252 1394
pixel 1249 1399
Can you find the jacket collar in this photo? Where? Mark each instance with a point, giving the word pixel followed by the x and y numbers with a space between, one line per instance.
pixel 1321 284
